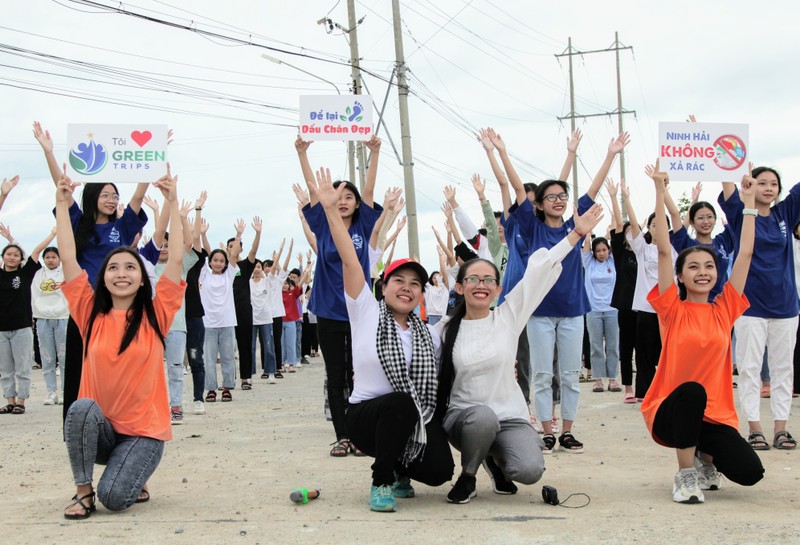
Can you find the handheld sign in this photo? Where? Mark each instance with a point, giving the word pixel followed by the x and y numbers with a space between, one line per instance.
pixel 336 117
pixel 703 152
pixel 116 153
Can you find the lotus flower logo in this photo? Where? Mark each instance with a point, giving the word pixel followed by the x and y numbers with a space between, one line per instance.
pixel 89 158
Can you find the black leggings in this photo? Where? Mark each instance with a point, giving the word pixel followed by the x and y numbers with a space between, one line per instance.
pixel 627 339
pixel 277 334
pixel 244 340
pixel 380 427
pixel 648 351
pixel 73 366
pixel 679 424
pixel 335 342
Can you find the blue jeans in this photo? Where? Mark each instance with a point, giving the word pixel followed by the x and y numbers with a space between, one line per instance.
pixel 16 362
pixel 195 337
pixel 264 332
pixel 289 343
pixel 174 347
pixel 130 461
pixel 603 326
pixel 222 341
pixel 544 333
pixel 52 345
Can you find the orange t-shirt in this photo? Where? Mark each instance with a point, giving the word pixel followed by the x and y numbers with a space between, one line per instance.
pixel 130 388
pixel 696 339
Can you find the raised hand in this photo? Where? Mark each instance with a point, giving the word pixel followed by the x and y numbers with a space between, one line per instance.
pixel 611 187
pixel 186 207
pixel 450 195
pixel 204 225
pixel 166 184
pixel 373 144
pixel 8 185
pixel 43 137
pixel 618 144
pixel 301 195
pixel 200 202
pixel 257 224
pixel 448 210
pixel 661 179
pixel 327 194
pixel 302 145
pixel 698 187
pixel 486 142
pixel 239 226
pixel 6 233
pixel 390 197
pixel 692 119
pixel 65 186
pixel 626 193
pixel 401 223
pixel 574 141
pixel 479 186
pixel 497 140
pixel 120 209
pixel 398 206
pixel 589 220
pixel 151 203
pixel 747 189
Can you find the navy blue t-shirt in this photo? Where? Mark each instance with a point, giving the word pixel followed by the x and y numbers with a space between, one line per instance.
pixel 723 246
pixel 327 297
pixel 568 297
pixel 770 286
pixel 517 250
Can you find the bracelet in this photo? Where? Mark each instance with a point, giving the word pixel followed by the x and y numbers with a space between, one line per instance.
pixel 579 233
pixel 749 212
pixel 198 209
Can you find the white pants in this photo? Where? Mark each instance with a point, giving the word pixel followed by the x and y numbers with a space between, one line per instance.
pixel 779 336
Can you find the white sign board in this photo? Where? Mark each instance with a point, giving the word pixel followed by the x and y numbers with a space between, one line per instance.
pixel 336 117
pixel 116 153
pixel 703 152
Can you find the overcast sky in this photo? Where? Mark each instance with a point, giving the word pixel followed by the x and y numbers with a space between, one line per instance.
pixel 473 64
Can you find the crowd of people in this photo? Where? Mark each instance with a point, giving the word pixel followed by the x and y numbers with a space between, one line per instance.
pixel 478 354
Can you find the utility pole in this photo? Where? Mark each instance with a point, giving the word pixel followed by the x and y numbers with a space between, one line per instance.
pixel 405 134
pixel 352 31
pixel 570 52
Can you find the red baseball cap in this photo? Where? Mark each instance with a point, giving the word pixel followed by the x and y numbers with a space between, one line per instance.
pixel 406 262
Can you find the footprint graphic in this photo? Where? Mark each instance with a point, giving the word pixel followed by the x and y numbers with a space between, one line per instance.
pixel 357 109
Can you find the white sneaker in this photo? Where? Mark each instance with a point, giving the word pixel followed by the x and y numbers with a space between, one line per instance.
pixel 686 488
pixel 199 407
pixel 271 379
pixel 52 399
pixel 710 479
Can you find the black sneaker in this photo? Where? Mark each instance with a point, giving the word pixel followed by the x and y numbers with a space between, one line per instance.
pixel 463 490
pixel 278 374
pixel 500 484
pixel 304 361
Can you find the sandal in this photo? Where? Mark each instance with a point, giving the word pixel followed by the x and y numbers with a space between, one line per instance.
pixel 226 395
pixel 758 441
pixel 18 409
pixel 8 409
pixel 784 441
pixel 211 396
pixel 614 387
pixel 246 385
pixel 629 398
pixel 569 443
pixel 598 386
pixel 341 448
pixel 88 508
pixel 549 443
pixel 144 496
pixel 765 391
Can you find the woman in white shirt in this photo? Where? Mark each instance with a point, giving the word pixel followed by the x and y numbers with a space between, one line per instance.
pixel 260 299
pixel 485 414
pixel 437 293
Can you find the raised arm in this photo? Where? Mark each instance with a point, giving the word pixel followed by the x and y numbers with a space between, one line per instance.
pixel 188 231
pixel 199 203
pixel 308 173
pixel 239 227
pixel 626 195
pixel 573 141
pixel 665 265
pixel 204 235
pixel 289 254
pixel 168 184
pixel 138 195
pixel 747 237
pixel 66 238
pixel 614 147
pixel 354 280
pixel 374 147
pixel 6 188
pixel 393 237
pixel 43 244
pixel 696 190
pixel 452 228
pixel 443 267
pixel 392 204
pixel 448 252
pixel 257 225
pixel 616 217
pixel 46 141
pixel 672 209
pixel 499 175
pixel 162 220
pixel 513 177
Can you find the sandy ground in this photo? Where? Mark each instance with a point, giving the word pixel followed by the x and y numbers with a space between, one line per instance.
pixel 227 475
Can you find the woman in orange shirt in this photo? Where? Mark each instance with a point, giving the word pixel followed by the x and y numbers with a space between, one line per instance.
pixel 689 406
pixel 121 418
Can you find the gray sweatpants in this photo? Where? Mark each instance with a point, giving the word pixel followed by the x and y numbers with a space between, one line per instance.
pixel 514 444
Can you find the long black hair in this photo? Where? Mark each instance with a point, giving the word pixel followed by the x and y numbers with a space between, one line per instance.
pixel 648 238
pixel 680 261
pixel 541 188
pixel 85 235
pixel 142 304
pixel 447 371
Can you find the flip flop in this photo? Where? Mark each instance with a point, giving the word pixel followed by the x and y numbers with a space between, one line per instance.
pixel 143 498
pixel 629 398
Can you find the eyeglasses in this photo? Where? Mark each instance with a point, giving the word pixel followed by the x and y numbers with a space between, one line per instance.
pixel 109 197
pixel 553 196
pixel 489 281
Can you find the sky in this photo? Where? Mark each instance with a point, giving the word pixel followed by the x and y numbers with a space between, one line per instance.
pixel 472 63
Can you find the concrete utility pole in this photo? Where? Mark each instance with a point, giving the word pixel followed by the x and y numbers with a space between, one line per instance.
pixel 405 134
pixel 570 52
pixel 356 76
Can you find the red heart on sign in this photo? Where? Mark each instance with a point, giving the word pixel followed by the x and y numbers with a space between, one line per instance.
pixel 141 138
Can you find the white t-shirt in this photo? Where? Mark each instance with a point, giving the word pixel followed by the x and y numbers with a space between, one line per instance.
pixel 646 270
pixel 260 301
pixel 436 298
pixel 216 294
pixel 276 281
pixel 369 380
pixel 47 300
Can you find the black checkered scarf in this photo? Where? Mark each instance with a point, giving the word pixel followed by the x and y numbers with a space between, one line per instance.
pixel 418 380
